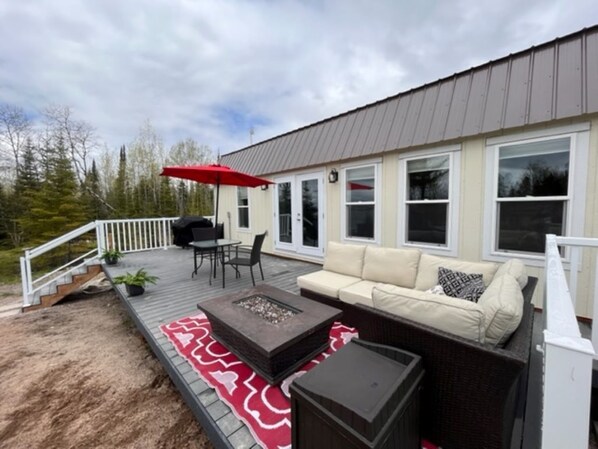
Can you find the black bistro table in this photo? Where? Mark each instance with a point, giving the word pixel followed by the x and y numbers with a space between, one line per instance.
pixel 215 246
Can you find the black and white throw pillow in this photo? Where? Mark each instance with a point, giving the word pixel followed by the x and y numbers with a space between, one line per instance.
pixel 461 285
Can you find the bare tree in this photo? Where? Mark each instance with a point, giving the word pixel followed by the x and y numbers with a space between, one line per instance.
pixel 78 135
pixel 189 152
pixel 15 128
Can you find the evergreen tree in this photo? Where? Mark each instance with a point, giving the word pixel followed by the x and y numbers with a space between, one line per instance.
pixel 167 201
pixel 4 216
pixel 181 198
pixel 27 186
pixel 91 194
pixel 121 186
pixel 55 207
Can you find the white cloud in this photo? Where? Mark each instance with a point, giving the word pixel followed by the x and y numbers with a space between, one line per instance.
pixel 211 69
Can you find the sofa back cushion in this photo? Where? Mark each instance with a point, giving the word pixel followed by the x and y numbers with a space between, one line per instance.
pixel 515 268
pixel 427 272
pixel 502 303
pixel 391 265
pixel 459 317
pixel 344 259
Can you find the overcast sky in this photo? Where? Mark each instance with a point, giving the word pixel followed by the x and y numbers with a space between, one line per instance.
pixel 211 70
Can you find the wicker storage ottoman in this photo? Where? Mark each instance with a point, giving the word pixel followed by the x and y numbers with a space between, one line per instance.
pixel 363 396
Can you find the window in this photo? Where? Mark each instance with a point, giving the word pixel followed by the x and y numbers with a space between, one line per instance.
pixel 532 194
pixel 360 197
pixel 243 207
pixel 429 199
pixel 538 188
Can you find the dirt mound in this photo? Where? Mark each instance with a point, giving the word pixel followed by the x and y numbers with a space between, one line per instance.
pixel 79 375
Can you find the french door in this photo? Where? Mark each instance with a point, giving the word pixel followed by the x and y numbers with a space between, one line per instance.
pixel 299 214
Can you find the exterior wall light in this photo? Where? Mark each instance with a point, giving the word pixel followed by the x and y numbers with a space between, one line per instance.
pixel 264 187
pixel 333 176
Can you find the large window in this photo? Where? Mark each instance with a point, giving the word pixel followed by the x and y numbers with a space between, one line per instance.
pixel 532 194
pixel 538 188
pixel 242 208
pixel 360 203
pixel 428 195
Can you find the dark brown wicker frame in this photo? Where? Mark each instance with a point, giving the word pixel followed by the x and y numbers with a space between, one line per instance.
pixel 472 392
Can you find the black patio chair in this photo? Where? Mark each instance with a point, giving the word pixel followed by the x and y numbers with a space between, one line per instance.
pixel 202 234
pixel 254 258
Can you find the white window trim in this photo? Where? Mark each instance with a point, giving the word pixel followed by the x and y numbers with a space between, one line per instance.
pixel 452 247
pixel 575 219
pixel 376 163
pixel 248 207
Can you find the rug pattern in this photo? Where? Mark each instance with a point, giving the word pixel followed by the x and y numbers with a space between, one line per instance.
pixel 265 409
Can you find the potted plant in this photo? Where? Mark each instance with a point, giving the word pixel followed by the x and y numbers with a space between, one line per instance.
pixel 111 256
pixel 135 283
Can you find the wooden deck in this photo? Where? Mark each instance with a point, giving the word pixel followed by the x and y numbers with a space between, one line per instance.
pixel 175 296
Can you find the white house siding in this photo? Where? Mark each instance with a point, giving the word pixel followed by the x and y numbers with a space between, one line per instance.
pixel 471 209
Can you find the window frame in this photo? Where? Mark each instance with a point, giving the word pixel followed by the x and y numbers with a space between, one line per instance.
pixel 239 206
pixel 377 201
pixel 575 199
pixel 452 234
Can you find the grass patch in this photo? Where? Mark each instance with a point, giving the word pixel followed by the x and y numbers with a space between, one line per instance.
pixel 10 268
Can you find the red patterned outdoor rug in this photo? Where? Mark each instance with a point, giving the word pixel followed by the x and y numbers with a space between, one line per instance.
pixel 265 409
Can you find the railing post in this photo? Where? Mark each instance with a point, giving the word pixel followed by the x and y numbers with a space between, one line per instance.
pixel 25 283
pixel 164 232
pixel 100 237
pixel 567 392
pixel 567 356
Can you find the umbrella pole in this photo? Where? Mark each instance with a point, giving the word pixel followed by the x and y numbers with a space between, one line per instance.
pixel 216 213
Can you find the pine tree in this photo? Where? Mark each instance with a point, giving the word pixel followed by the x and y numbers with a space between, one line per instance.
pixel 121 186
pixel 91 194
pixel 27 186
pixel 167 201
pixel 56 207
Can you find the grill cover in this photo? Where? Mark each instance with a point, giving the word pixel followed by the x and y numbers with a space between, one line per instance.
pixel 181 229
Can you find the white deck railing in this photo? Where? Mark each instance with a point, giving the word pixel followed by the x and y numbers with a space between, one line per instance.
pixel 135 234
pixel 127 236
pixel 567 356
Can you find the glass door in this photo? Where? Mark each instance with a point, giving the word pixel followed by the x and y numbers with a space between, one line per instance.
pixel 309 214
pixel 299 214
pixel 283 214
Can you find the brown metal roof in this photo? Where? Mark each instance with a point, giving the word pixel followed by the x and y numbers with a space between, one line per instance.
pixel 555 80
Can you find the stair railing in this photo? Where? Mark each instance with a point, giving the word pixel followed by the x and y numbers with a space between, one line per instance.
pixel 127 235
pixel 33 286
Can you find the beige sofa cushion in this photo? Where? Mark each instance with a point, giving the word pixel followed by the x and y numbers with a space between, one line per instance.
pixel 515 268
pixel 502 303
pixel 344 259
pixel 391 265
pixel 326 282
pixel 457 316
pixel 427 272
pixel 360 292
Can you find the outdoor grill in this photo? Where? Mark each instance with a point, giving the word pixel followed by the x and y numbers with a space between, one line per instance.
pixel 181 229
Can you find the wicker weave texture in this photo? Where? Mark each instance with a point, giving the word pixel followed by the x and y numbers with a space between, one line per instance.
pixel 470 390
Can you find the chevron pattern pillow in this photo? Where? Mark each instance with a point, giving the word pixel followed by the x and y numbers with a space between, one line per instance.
pixel 461 285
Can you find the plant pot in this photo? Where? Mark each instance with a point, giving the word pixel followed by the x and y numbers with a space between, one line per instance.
pixel 134 290
pixel 111 260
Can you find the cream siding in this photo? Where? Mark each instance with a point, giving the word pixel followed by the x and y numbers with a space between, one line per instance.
pixel 471 213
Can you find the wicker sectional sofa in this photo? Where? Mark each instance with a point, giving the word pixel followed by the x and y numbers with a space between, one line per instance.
pixel 474 388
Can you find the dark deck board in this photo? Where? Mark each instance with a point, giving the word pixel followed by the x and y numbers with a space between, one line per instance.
pixel 176 295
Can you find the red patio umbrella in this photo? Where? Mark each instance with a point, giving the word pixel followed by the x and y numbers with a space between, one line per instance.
pixel 217 175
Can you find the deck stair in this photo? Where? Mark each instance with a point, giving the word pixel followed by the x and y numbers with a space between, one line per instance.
pixel 63 286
